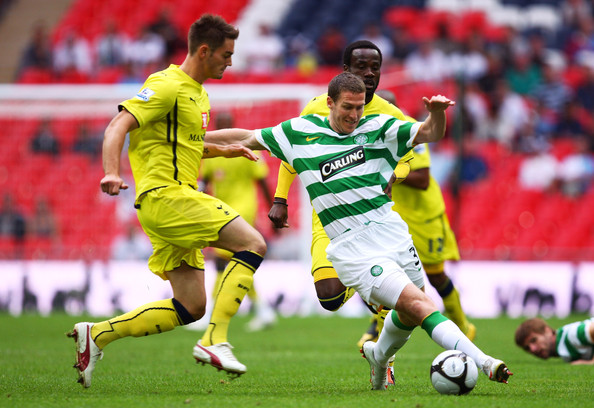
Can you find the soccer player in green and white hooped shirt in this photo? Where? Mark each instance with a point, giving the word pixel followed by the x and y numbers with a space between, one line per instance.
pixel 574 342
pixel 345 162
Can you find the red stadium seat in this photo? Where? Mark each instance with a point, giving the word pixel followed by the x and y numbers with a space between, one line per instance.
pixel 401 17
pixel 35 76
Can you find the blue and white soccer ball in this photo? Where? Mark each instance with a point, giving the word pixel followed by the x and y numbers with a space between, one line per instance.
pixel 453 372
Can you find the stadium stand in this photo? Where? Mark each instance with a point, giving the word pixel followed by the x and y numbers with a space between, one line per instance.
pixel 493 218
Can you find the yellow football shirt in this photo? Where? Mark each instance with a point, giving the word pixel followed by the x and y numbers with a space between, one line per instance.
pixel 377 105
pixel 416 205
pixel 172 110
pixel 234 181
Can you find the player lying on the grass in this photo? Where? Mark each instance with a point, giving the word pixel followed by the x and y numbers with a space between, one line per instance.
pixel 574 342
pixel 345 162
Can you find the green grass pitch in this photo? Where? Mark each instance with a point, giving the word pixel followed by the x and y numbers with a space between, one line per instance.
pixel 301 362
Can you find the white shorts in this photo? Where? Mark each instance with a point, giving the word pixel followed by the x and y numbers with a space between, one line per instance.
pixel 366 257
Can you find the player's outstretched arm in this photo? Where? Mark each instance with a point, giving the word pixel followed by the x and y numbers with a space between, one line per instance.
pixel 433 129
pixel 244 137
pixel 230 150
pixel 113 142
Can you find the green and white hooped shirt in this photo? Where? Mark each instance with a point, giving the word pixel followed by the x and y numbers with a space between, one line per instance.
pixel 344 175
pixel 574 342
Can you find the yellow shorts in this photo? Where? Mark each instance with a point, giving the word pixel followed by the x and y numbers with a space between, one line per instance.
pixel 180 222
pixel 321 267
pixel 435 243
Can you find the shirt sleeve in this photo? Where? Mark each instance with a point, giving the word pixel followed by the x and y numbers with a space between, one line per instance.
pixel 156 97
pixel 271 138
pixel 402 133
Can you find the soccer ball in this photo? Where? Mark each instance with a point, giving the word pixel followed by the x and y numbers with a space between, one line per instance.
pixel 453 372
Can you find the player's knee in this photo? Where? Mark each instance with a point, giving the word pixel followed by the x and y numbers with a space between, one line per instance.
pixel 329 288
pixel 256 243
pixel 334 303
pixel 190 311
pixel 418 309
pixel 261 246
pixel 331 294
pixel 438 280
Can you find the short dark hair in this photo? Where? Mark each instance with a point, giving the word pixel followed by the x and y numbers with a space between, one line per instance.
pixel 348 51
pixel 345 81
pixel 534 325
pixel 211 30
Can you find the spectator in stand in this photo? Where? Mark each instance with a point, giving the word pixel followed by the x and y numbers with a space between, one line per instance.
pixel 372 31
pixel 427 63
pixel 580 40
pixel 495 71
pixel 72 53
pixel 538 131
pixel 509 42
pixel 164 27
pixel 13 224
pixel 507 115
pixel 538 171
pixel 576 170
pixel 523 75
pixel 470 62
pixel 110 46
pixel 537 46
pixel 330 46
pixel 44 140
pixel 402 45
pixel 584 93
pixel 552 92
pixel 264 54
pixel 131 244
pixel 38 52
pixel 569 123
pixel 42 224
pixel 441 37
pixel 573 11
pixel 473 166
pixel 146 52
pixel 86 141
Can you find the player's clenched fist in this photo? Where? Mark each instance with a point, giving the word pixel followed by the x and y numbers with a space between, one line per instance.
pixel 112 185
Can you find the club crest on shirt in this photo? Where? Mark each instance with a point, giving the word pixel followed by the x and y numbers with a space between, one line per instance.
pixel 361 139
pixel 342 162
pixel 145 94
pixel 376 270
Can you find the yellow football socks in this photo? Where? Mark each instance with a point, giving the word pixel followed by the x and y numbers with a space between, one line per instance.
pixel 453 309
pixel 152 318
pixel 235 283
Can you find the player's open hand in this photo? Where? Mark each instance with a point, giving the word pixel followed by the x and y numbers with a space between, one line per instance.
pixel 112 184
pixel 239 150
pixel 437 103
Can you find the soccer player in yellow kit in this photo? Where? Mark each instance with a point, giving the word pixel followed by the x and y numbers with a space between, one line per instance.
pixel 235 181
pixel 167 122
pixel 364 59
